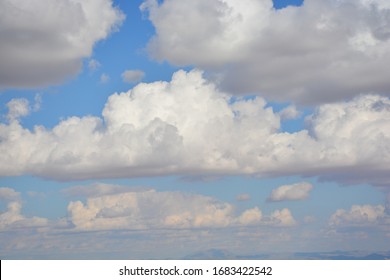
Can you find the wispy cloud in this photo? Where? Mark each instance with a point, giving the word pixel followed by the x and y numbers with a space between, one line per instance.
pixel 104 78
pixel 243 197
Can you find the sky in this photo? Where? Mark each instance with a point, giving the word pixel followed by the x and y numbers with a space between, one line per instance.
pixel 160 129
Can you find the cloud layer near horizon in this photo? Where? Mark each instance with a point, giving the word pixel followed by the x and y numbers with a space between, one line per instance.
pixel 188 127
pixel 322 51
pixel 115 217
pixel 114 207
pixel 44 42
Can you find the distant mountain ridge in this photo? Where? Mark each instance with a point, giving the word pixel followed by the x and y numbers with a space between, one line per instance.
pixel 219 254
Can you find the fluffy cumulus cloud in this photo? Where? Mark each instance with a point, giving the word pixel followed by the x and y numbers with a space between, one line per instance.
pixel 367 223
pixel 355 135
pixel 299 191
pixel 324 50
pixel 12 218
pixel 132 76
pixel 220 31
pixel 44 42
pixel 290 113
pixel 283 217
pixel 358 215
pixel 135 222
pixel 17 108
pixel 188 127
pixel 114 207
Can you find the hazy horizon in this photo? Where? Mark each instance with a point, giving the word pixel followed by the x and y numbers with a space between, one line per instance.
pixel 152 129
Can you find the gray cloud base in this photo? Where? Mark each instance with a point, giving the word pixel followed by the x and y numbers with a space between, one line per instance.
pixel 322 51
pixel 44 42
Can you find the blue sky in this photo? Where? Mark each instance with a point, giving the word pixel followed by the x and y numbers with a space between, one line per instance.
pixel 157 129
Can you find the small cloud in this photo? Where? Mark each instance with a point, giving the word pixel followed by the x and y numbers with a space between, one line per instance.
pixel 290 113
pixel 132 76
pixel 283 218
pixel 12 217
pixel 104 78
pixel 243 197
pixel 299 191
pixel 37 102
pixel 17 108
pixel 93 65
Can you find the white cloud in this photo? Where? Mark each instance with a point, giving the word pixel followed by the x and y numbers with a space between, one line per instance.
pixel 104 78
pixel 322 51
pixel 12 217
pixel 37 102
pixel 360 215
pixel 20 107
pixel 290 113
pixel 188 127
pixel 148 210
pixel 115 207
pixel 112 219
pixel 298 191
pixel 17 108
pixel 220 31
pixel 251 217
pixel 354 134
pixel 9 194
pixel 44 42
pixel 283 218
pixel 93 65
pixel 132 76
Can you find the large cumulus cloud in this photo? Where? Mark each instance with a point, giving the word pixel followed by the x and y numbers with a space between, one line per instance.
pixel 321 51
pixel 44 42
pixel 188 127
